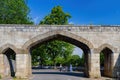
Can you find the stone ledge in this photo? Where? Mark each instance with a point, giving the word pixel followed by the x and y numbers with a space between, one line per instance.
pixel 81 28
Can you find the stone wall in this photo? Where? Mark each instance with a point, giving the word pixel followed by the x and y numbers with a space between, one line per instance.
pixel 21 38
pixel 18 35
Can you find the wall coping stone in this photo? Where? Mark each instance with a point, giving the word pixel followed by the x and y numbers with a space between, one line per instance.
pixel 74 28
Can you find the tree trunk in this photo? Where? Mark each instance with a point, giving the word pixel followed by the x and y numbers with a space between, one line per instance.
pixel 40 64
pixel 54 65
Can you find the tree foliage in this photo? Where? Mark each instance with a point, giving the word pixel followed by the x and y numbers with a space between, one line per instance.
pixel 102 59
pixel 75 60
pixel 57 50
pixel 39 56
pixel 52 53
pixel 14 12
pixel 56 17
pixel 82 60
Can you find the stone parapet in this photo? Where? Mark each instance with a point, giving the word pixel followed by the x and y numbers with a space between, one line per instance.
pixel 37 28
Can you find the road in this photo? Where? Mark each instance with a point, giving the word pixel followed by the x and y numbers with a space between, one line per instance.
pixel 50 74
pixel 47 74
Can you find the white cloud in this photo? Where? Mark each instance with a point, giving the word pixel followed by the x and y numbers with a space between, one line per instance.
pixel 71 22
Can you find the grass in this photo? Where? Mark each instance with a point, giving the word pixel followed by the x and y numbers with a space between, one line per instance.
pixel 15 78
pixel 0 77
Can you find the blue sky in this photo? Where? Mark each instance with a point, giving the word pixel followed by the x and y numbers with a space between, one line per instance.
pixel 103 12
pixel 77 51
pixel 98 12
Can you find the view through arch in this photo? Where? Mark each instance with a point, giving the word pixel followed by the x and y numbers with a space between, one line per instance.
pixel 106 62
pixel 84 47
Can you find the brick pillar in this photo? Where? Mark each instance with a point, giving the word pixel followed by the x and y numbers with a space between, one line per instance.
pixel 22 65
pixel 2 72
pixel 94 69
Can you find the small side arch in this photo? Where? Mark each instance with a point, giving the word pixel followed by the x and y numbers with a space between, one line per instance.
pixel 107 52
pixel 9 59
pixel 113 49
pixel 6 47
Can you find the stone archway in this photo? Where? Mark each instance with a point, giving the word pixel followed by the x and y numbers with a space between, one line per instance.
pixel 82 43
pixel 108 52
pixel 8 60
pixel 6 46
pixel 99 49
pixel 53 34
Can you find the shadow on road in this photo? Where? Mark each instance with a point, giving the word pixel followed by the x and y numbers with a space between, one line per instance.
pixel 76 74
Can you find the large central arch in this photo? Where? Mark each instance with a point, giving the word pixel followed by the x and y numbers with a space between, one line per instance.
pixel 80 42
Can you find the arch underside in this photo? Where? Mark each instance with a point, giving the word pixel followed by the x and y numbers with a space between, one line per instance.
pixel 81 45
pixel 108 47
pixel 78 41
pixel 9 62
pixel 6 47
pixel 108 62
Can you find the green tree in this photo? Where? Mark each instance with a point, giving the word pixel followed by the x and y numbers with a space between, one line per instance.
pixel 56 17
pixel 82 60
pixel 59 51
pixel 56 50
pixel 14 12
pixel 39 56
pixel 102 59
pixel 74 60
pixel 51 53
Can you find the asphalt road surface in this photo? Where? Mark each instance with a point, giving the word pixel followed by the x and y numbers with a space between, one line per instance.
pixel 47 74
